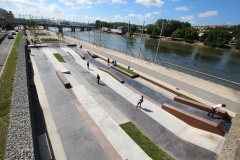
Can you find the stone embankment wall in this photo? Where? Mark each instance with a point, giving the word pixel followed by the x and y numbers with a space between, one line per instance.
pixel 20 140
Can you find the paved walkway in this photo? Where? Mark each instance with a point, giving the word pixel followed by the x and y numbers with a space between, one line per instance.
pixel 199 138
pixel 195 90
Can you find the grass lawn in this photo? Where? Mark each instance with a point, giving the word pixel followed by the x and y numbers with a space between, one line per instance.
pixel 186 97
pixel 49 40
pixel 59 57
pixel 127 70
pixel 151 149
pixel 40 34
pixel 6 89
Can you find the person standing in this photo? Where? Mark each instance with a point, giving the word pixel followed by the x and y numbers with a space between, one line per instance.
pixel 215 109
pixel 87 64
pixel 140 102
pixel 98 78
pixel 108 61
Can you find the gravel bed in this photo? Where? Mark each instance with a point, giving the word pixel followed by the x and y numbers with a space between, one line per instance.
pixel 20 143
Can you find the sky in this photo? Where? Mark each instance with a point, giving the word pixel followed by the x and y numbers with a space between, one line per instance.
pixel 196 12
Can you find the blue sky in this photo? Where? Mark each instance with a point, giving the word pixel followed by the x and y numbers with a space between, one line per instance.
pixel 196 12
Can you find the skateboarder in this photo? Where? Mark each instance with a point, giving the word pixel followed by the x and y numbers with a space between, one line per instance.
pixel 87 64
pixel 215 109
pixel 98 78
pixel 140 102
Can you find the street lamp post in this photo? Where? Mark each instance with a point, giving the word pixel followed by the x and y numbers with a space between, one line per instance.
pixel 158 43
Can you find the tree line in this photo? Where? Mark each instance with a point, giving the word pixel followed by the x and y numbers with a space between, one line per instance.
pixel 214 37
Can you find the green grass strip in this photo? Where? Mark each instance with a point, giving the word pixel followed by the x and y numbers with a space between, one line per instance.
pixel 49 40
pixel 127 70
pixel 151 149
pixel 6 89
pixel 186 97
pixel 59 57
pixel 39 34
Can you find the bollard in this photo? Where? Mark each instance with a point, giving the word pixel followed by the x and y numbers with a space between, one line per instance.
pixel 128 67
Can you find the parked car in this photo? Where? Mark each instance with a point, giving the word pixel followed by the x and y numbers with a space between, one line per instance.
pixel 13 33
pixel 10 36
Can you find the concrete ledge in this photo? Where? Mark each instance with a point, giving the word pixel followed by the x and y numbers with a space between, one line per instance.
pixel 70 55
pixel 44 148
pixel 72 45
pixel 112 74
pixel 92 55
pixel 200 106
pixel 38 45
pixel 63 79
pixel 80 54
pixel 124 72
pixel 159 85
pixel 193 120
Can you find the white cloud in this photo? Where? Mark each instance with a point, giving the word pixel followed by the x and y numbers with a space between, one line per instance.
pixel 207 14
pixel 182 9
pixel 132 15
pixel 79 4
pixel 156 12
pixel 157 3
pixel 119 1
pixel 187 18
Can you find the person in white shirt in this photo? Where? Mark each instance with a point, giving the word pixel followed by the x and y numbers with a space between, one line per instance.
pixel 215 109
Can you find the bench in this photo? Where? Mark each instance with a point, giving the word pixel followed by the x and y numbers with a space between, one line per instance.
pixel 92 55
pixel 160 85
pixel 200 106
pixel 112 74
pixel 70 55
pixel 80 54
pixel 124 72
pixel 193 120
pixel 72 45
pixel 63 79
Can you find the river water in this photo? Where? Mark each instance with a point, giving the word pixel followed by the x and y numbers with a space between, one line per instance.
pixel 217 62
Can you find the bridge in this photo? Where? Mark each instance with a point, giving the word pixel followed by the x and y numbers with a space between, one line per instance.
pixel 60 24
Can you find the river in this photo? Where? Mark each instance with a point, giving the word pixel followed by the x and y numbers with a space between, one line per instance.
pixel 222 63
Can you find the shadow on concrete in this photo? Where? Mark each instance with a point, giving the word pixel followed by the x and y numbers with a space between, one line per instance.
pixel 147 110
pixel 37 117
pixel 102 84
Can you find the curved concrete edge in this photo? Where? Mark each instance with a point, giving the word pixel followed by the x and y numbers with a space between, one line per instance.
pixel 204 107
pixel 54 137
pixel 80 54
pixel 112 74
pixel 193 120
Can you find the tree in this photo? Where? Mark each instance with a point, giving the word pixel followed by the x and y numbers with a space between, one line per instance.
pixel 238 44
pixel 177 34
pixel 133 29
pixel 218 37
pixel 191 35
pixel 150 28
